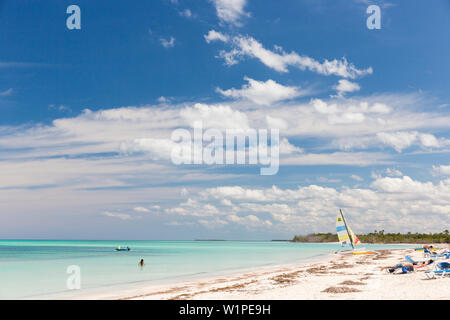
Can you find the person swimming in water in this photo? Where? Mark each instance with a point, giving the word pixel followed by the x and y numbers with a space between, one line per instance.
pixel 141 263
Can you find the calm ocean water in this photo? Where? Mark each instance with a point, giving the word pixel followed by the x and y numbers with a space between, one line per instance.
pixel 37 268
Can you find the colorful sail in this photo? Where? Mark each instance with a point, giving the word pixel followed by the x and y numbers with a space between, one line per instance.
pixel 355 239
pixel 345 234
pixel 341 230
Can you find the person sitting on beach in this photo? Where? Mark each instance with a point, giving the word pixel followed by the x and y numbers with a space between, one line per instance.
pixel 430 248
pixel 408 266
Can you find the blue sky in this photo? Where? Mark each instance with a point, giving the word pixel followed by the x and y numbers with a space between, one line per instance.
pixel 364 114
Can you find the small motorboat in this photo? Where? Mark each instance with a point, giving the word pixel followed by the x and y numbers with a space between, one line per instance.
pixel 119 248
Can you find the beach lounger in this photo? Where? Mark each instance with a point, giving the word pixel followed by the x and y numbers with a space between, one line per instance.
pixel 445 256
pixel 414 262
pixel 427 253
pixel 409 259
pixel 442 269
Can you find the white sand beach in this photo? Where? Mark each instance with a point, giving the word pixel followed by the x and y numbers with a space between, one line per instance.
pixel 337 276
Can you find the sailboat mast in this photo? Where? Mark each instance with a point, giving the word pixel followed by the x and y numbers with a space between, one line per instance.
pixel 346 228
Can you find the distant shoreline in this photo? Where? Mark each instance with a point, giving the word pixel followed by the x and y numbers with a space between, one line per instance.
pixel 379 237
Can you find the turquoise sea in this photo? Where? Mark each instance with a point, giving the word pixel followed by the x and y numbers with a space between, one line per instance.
pixel 37 269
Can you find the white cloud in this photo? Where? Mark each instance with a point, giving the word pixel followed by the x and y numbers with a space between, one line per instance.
pixel 404 185
pixel 230 11
pixel 215 116
pixel 442 169
pixel 226 202
pixel 249 221
pixel 400 204
pixel 287 148
pixel 168 43
pixel 186 13
pixel 158 149
pixel 215 36
pixel 428 140
pixel 398 140
pixel 394 172
pixel 122 216
pixel 344 86
pixel 163 99
pixel 141 209
pixel 262 93
pixel 402 140
pixel 194 208
pixel 280 60
pixel 356 177
pixel 184 192
pixel 276 123
pixel 211 224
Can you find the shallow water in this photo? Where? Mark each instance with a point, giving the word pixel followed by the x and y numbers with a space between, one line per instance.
pixel 31 269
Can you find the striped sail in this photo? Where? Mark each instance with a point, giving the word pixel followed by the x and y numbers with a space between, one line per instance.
pixel 355 239
pixel 345 234
pixel 342 231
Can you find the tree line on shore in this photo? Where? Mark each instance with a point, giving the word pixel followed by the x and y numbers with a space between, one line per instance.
pixel 381 237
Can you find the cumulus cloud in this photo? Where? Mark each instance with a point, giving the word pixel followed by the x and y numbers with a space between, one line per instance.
pixel 356 177
pixel 187 13
pixel 167 43
pixel 249 220
pixel 399 203
pixel 402 140
pixel 442 169
pixel 344 86
pixel 279 60
pixel 163 99
pixel 215 36
pixel 287 148
pixel 276 123
pixel 262 93
pixel 215 116
pixel 393 172
pixel 230 11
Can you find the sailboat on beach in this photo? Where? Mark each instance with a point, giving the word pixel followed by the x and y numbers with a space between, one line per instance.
pixel 347 237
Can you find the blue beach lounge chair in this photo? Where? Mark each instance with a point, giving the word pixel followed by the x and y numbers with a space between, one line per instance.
pixel 414 262
pixel 443 268
pixel 445 256
pixel 409 259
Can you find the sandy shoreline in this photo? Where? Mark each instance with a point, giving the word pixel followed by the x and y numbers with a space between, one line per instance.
pixel 335 276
